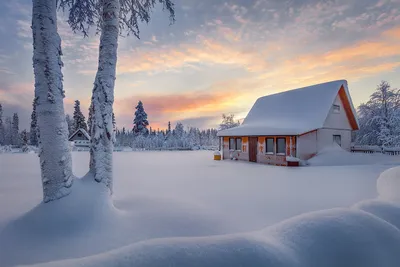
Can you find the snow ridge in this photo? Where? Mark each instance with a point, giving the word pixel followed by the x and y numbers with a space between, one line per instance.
pixel 367 234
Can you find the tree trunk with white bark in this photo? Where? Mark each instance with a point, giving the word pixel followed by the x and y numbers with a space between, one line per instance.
pixel 101 149
pixel 55 157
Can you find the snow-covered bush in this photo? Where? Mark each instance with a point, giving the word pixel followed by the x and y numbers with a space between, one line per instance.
pixel 5 149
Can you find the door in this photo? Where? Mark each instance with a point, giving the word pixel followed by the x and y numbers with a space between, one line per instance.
pixel 253 149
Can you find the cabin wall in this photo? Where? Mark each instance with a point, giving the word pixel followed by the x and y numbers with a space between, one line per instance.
pixel 243 154
pixel 337 120
pixel 307 145
pixel 279 160
pixel 325 138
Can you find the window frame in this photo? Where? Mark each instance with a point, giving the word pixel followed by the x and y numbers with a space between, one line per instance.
pixel 276 146
pixel 266 146
pixel 336 108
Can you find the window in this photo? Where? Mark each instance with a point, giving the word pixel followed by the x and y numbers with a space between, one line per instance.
pixel 281 146
pixel 337 139
pixel 239 144
pixel 235 144
pixel 336 109
pixel 269 146
pixel 231 143
pixel 79 135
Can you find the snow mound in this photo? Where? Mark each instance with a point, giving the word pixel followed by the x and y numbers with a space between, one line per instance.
pixel 388 184
pixel 87 223
pixel 336 156
pixel 330 238
pixel 387 211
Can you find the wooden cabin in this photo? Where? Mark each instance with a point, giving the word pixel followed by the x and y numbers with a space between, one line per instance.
pixel 285 128
pixel 80 138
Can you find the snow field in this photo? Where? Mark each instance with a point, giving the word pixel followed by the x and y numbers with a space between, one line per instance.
pixel 184 209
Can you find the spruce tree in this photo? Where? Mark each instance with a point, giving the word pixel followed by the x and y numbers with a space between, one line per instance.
pixel 15 130
pixel 70 124
pixel 2 136
pixel 89 121
pixel 8 131
pixel 113 121
pixel 33 137
pixel 140 122
pixel 24 141
pixel 79 119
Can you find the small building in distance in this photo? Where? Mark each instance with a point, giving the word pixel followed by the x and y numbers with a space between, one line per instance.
pixel 286 127
pixel 80 138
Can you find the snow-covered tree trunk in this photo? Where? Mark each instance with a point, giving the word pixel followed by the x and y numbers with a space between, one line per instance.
pixel 101 147
pixel 55 158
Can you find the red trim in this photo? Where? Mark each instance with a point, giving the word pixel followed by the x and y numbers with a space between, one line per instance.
pixel 308 132
pixel 347 107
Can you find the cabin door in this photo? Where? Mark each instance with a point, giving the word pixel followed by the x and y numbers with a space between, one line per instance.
pixel 253 149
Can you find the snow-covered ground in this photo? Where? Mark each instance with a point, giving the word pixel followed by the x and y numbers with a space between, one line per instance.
pixel 167 204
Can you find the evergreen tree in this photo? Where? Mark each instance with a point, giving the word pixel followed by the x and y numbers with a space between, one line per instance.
pixel 15 130
pixel 24 140
pixel 8 131
pixel 89 121
pixel 113 121
pixel 140 122
pixel 2 134
pixel 169 127
pixel 70 124
pixel 33 137
pixel 79 119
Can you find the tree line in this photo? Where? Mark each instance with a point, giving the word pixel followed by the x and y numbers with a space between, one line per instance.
pixel 140 136
pixel 379 118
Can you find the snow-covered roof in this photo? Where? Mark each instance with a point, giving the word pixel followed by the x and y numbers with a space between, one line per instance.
pixel 292 112
pixel 82 131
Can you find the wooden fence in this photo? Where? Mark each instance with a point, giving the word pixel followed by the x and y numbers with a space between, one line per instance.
pixel 393 151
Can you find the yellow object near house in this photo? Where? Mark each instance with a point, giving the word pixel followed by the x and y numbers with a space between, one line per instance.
pixel 217 155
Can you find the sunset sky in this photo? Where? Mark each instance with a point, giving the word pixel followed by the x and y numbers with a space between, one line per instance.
pixel 218 57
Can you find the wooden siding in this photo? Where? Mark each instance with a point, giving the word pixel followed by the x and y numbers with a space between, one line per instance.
pixel 260 155
pixel 242 155
pixel 347 107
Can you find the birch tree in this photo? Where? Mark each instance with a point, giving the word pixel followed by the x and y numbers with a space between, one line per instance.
pixel 110 17
pixel 55 158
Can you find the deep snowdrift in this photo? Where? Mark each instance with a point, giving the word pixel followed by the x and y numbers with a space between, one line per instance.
pixel 336 156
pixel 367 234
pixel 86 223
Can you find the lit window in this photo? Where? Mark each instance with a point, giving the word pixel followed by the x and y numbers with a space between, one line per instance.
pixel 281 146
pixel 336 109
pixel 269 145
pixel 239 144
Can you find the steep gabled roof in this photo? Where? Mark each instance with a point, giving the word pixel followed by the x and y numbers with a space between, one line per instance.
pixel 81 131
pixel 294 112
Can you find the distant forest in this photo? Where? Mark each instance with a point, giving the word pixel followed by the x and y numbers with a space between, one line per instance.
pixel 379 120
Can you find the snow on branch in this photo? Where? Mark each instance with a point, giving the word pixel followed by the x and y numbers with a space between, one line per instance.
pixel 84 14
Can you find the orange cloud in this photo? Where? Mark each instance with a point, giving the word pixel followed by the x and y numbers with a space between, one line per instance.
pixel 217 99
pixel 393 33
pixel 208 51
